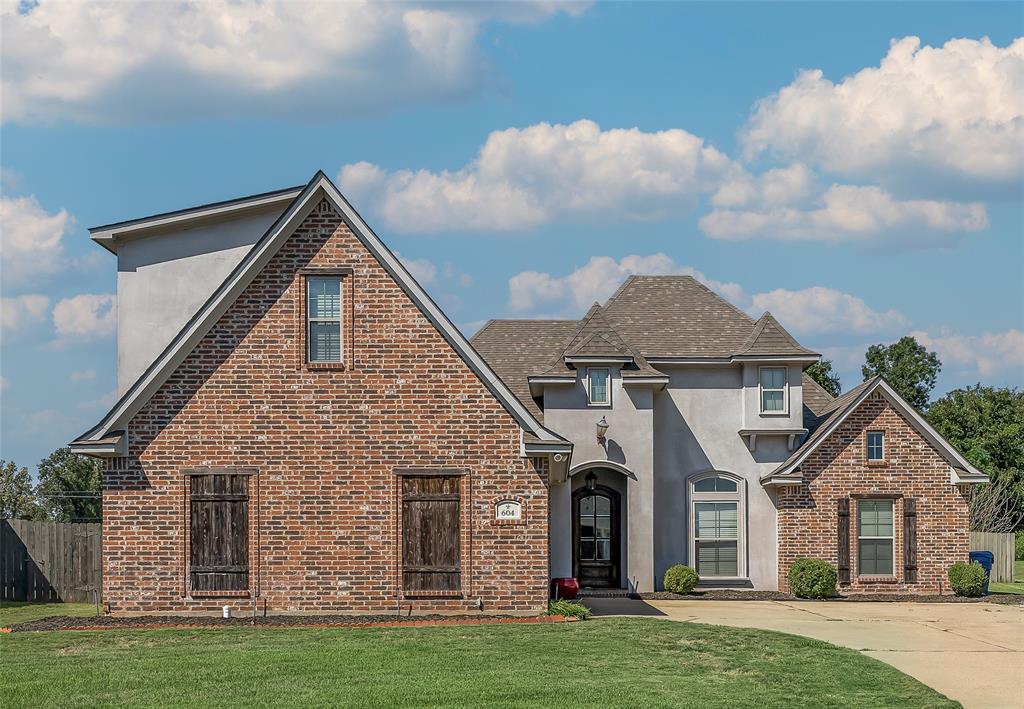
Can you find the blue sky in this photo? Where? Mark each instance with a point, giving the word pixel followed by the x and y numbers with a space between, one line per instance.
pixel 811 159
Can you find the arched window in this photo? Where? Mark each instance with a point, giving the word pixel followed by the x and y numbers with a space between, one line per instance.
pixel 716 526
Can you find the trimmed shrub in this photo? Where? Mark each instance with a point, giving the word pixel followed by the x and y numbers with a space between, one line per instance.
pixel 967 579
pixel 812 578
pixel 681 579
pixel 1019 552
pixel 569 609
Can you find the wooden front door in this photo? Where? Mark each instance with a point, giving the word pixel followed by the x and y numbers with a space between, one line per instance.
pixel 595 526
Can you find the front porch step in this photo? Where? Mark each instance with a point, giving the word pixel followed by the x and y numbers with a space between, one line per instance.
pixel 604 593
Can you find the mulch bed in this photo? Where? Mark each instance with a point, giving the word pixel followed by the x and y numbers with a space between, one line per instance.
pixel 150 622
pixel 731 595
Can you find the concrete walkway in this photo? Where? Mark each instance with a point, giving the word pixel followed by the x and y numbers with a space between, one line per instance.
pixel 971 652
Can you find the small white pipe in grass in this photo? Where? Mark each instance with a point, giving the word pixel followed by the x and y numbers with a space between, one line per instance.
pixel 227 611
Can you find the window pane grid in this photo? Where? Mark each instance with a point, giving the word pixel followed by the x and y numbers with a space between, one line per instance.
pixel 875 543
pixel 595 528
pixel 323 314
pixel 598 386
pixel 773 389
pixel 876 446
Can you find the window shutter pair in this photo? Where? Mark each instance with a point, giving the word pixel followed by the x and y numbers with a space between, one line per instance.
pixel 909 540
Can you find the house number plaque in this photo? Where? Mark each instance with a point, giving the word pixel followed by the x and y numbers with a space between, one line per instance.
pixel 508 509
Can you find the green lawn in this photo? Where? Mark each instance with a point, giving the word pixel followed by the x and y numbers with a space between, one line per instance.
pixel 12 612
pixel 607 662
pixel 1018 581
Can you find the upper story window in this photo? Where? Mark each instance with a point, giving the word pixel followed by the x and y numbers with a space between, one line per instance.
pixel 876 445
pixel 773 390
pixel 598 386
pixel 323 315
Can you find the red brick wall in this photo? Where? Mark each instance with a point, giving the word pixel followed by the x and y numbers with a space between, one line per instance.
pixel 808 517
pixel 324 528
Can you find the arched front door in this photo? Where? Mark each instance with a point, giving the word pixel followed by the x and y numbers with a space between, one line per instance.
pixel 595 534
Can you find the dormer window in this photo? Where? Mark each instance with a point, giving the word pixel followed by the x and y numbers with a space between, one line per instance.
pixel 598 390
pixel 773 390
pixel 323 318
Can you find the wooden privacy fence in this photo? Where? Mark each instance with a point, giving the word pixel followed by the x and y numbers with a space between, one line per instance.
pixel 49 561
pixel 1002 545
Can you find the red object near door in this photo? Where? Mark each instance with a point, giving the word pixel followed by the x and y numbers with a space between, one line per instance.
pixel 567 588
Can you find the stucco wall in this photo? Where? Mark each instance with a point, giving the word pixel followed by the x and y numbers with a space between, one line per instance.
pixel 630 443
pixel 697 419
pixel 162 280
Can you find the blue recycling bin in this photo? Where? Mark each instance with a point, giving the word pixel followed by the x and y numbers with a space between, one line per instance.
pixel 986 559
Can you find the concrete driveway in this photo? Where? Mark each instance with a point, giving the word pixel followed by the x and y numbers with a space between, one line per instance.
pixel 971 652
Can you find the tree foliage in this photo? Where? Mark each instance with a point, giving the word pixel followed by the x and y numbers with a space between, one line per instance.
pixel 69 486
pixel 907 366
pixel 986 424
pixel 828 378
pixel 17 495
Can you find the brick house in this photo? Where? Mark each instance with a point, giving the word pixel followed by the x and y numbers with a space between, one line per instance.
pixel 300 428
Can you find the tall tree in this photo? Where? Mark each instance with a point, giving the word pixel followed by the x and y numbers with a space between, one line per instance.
pixel 908 367
pixel 17 498
pixel 828 378
pixel 69 486
pixel 986 424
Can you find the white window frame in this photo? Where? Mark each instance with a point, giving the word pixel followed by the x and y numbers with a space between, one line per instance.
pixel 891 537
pixel 867 447
pixel 739 497
pixel 310 320
pixel 784 411
pixel 607 387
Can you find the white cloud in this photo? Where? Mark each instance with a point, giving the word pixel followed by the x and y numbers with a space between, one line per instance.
pixel 424 271
pixel 850 213
pixel 22 311
pixel 925 118
pixel 572 294
pixel 985 354
pixel 83 375
pixel 819 309
pixel 85 316
pixel 525 177
pixel 31 241
pixel 119 61
pixel 776 187
pixel 102 402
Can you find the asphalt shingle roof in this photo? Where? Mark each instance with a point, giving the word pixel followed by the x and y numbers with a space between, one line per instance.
pixel 516 349
pixel 649 316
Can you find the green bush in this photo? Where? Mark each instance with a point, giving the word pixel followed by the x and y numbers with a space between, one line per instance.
pixel 967 579
pixel 1019 554
pixel 812 578
pixel 681 579
pixel 568 609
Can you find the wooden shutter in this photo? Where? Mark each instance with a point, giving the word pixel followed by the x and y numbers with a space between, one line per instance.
pixel 909 540
pixel 843 540
pixel 430 534
pixel 219 518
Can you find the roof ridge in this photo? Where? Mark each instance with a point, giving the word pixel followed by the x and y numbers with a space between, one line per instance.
pixel 482 328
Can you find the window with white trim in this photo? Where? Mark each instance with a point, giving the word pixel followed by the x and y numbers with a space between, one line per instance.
pixel 598 391
pixel 876 445
pixel 323 318
pixel 716 527
pixel 875 539
pixel 773 390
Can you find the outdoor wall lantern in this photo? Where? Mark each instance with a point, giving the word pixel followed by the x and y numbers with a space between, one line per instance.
pixel 602 429
pixel 591 480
